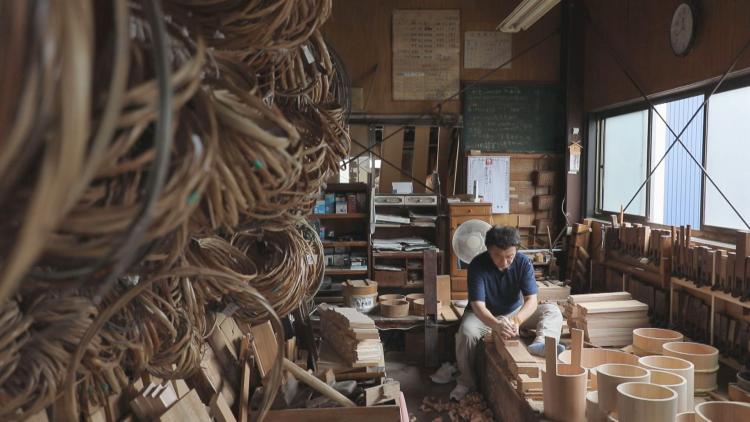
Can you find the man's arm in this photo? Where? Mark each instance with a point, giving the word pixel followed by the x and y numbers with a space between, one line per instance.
pixel 527 310
pixel 484 314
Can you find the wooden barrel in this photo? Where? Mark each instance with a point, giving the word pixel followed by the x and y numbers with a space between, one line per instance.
pixel 361 295
pixel 722 411
pixel 640 402
pixel 610 375
pixel 417 307
pixel 568 403
pixel 704 357
pixel 394 308
pixel 593 357
pixel 650 340
pixel 674 365
pixel 678 383
pixel 593 413
pixel 685 417
pixel 383 298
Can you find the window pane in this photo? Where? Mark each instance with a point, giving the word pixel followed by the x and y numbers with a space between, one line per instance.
pixel 727 152
pixel 676 183
pixel 625 147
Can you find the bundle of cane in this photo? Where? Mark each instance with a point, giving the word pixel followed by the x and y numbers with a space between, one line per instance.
pixel 258 32
pixel 40 341
pixel 258 161
pixel 113 202
pixel 51 146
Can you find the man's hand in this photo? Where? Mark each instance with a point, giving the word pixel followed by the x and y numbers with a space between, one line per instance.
pixel 507 327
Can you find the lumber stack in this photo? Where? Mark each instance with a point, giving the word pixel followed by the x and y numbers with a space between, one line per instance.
pixel 607 319
pixel 352 334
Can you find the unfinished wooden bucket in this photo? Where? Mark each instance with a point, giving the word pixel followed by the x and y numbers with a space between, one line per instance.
pixel 722 411
pixel 417 307
pixel 383 298
pixel 674 365
pixel 610 375
pixel 568 381
pixel 685 417
pixel 593 357
pixel 650 340
pixel 704 357
pixel 593 413
pixel 641 402
pixel 394 308
pixel 678 383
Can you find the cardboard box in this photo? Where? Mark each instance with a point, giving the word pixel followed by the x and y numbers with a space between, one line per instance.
pixel 320 206
pixel 330 203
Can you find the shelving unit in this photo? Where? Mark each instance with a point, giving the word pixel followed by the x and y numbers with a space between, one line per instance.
pixel 351 237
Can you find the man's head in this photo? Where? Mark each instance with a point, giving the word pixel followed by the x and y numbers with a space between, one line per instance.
pixel 501 245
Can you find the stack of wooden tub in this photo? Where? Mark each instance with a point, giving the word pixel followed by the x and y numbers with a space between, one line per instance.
pixel 649 341
pixel 705 358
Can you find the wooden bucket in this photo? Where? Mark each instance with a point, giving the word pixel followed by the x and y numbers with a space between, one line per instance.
pixel 678 383
pixel 674 365
pixel 704 357
pixel 417 307
pixel 568 403
pixel 685 417
pixel 610 375
pixel 383 298
pixel 722 411
pixel 640 402
pixel 593 357
pixel 593 412
pixel 361 295
pixel 650 340
pixel 394 308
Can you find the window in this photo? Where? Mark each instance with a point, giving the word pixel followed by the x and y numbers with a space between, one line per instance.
pixel 676 183
pixel 678 193
pixel 727 150
pixel 624 164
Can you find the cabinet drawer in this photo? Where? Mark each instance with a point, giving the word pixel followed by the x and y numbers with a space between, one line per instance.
pixel 470 209
pixel 459 295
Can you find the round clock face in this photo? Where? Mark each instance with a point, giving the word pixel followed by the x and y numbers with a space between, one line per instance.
pixel 682 29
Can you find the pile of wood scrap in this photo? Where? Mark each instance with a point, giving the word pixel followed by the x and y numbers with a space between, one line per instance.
pixel 607 319
pixel 352 335
pixel 472 408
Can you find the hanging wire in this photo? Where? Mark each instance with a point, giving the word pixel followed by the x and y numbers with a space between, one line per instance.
pixel 651 105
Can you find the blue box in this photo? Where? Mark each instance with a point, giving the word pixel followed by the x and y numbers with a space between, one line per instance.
pixel 320 206
pixel 330 203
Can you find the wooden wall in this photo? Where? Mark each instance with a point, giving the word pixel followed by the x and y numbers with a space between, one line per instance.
pixel 360 31
pixel 639 33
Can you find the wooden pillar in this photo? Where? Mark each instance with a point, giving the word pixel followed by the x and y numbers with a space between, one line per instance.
pixel 431 358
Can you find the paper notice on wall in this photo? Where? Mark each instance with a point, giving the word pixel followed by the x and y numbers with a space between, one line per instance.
pixel 487 49
pixel 492 177
pixel 426 54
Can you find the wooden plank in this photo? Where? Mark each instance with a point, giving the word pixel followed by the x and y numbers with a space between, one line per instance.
pixel 243 413
pixel 382 393
pixel 420 167
pixel 220 409
pixel 264 347
pixel 188 408
pixel 444 289
pixel 337 414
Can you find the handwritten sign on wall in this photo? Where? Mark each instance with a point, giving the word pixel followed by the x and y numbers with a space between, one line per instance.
pixel 426 54
pixel 487 49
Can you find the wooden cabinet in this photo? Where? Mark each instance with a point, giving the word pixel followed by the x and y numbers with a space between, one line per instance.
pixel 459 213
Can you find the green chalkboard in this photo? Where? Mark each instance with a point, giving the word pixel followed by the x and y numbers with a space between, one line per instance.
pixel 513 118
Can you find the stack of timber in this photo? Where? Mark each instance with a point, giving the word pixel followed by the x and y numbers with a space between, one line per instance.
pixel 552 291
pixel 352 335
pixel 607 319
pixel 520 365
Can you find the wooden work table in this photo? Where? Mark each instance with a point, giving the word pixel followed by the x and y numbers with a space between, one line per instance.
pixel 498 390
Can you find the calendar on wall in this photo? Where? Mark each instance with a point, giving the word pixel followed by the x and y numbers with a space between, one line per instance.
pixel 426 54
pixel 492 177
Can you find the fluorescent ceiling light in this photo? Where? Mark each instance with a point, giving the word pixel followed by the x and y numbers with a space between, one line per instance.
pixel 526 14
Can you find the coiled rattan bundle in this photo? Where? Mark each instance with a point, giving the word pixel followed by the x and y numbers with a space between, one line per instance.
pixel 45 335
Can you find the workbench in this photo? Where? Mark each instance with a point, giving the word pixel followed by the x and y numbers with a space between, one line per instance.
pixel 498 390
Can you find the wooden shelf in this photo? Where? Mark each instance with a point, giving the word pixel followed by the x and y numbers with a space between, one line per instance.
pixel 705 290
pixel 344 243
pixel 342 271
pixel 399 254
pixel 348 216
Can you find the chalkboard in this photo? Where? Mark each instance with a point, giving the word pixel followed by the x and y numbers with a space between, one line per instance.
pixel 513 118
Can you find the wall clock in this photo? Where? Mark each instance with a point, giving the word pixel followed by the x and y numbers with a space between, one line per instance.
pixel 682 29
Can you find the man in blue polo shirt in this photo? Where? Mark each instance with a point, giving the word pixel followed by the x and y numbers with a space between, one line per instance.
pixel 502 295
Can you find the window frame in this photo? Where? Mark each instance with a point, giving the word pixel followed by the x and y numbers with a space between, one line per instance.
pixel 595 168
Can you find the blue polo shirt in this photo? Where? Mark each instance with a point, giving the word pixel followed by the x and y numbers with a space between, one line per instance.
pixel 501 291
